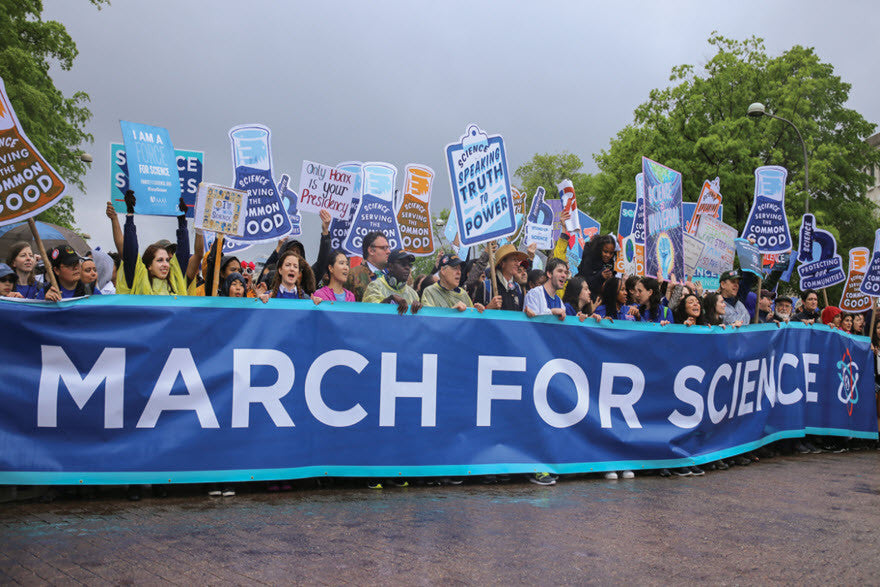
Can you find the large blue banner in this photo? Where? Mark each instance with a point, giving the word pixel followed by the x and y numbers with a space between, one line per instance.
pixel 130 389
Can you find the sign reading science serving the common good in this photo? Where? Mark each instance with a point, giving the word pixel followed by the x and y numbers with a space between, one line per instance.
pixel 767 223
pixel 28 184
pixel 480 187
pixel 190 165
pixel 414 215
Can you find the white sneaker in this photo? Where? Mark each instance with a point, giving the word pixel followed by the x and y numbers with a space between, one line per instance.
pixel 228 492
pixel 215 493
pixel 628 475
pixel 611 475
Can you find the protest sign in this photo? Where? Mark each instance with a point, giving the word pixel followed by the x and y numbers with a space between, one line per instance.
pixel 539 222
pixel 578 239
pixel 480 186
pixel 870 285
pixel 569 204
pixel 28 184
pixel 451 234
pixel 220 209
pixel 853 300
pixel 630 257
pixel 767 223
pixel 708 280
pixel 340 227
pixel 817 251
pixel 87 403
pixel 749 257
pixel 708 204
pixel 190 166
pixel 322 187
pixel 267 217
pixel 152 168
pixel 289 200
pixel 556 205
pixel 664 250
pixel 375 211
pixel 228 245
pixel 719 251
pixel 693 249
pixel 414 215
pixel 638 229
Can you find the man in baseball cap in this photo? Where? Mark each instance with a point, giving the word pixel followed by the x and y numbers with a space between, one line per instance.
pixel 391 287
pixel 736 313
pixel 446 293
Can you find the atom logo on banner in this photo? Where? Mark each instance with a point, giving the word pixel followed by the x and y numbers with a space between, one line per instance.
pixel 848 373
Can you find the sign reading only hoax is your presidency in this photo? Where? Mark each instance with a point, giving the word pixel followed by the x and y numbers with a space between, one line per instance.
pixel 480 187
pixel 322 187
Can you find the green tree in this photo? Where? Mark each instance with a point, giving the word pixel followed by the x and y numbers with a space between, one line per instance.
pixel 699 126
pixel 548 170
pixel 29 46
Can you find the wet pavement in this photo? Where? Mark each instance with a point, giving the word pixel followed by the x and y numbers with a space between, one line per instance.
pixel 804 519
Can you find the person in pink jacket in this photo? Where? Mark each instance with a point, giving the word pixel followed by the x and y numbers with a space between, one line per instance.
pixel 337 270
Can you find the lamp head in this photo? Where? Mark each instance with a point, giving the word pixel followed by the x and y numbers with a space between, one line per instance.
pixel 756 110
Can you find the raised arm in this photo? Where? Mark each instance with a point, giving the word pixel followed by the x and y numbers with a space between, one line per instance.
pixel 129 239
pixel 115 226
pixel 192 268
pixel 182 252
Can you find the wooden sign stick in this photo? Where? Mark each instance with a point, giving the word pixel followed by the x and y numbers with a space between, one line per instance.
pixel 47 262
pixel 217 258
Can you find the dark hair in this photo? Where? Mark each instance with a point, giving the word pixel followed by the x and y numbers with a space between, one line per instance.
pixel 14 250
pixel 629 284
pixel 609 296
pixel 306 277
pixel 369 240
pixel 534 276
pixel 681 314
pixel 149 256
pixel 226 284
pixel 653 305
pixel 594 254
pixel 572 294
pixel 711 316
pixel 117 260
pixel 552 264
pixel 806 293
pixel 875 340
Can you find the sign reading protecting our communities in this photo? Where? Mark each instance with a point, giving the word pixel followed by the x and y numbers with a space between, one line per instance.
pixel 152 168
pixel 821 266
pixel 371 395
pixel 664 249
pixel 28 184
pixel 414 215
pixel 267 218
pixel 190 167
pixel 539 222
pixel 375 211
pixel 322 187
pixel 767 223
pixel 870 285
pixel 220 209
pixel 852 299
pixel 480 186
pixel 719 251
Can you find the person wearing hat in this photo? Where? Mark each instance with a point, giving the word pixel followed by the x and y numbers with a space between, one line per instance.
pixel 765 306
pixel 158 271
pixel 446 293
pixel 66 266
pixel 736 313
pixel 506 293
pixel 8 279
pixel 782 309
pixel 391 286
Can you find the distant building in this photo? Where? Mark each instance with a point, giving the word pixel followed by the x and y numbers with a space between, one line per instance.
pixel 874 189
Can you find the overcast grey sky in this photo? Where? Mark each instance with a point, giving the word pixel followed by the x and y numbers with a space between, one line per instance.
pixel 397 81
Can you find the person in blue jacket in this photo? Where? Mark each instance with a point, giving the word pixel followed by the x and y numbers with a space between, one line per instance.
pixel 66 266
pixel 651 308
pixel 614 301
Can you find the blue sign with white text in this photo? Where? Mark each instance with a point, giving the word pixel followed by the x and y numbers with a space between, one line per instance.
pixel 190 165
pixel 152 168
pixel 767 223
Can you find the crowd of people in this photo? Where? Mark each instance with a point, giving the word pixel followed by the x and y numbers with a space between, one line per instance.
pixel 593 292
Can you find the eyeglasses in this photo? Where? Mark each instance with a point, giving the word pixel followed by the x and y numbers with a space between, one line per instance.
pixel 382 248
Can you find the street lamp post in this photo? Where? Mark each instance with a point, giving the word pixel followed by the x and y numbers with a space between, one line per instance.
pixel 757 110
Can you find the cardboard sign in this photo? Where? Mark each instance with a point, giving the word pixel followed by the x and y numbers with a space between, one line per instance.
pixel 556 205
pixel 853 300
pixel 539 222
pixel 322 187
pixel 708 204
pixel 28 184
pixel 480 187
pixel 719 251
pixel 630 258
pixel 664 250
pixel 152 168
pixel 414 215
pixel 569 204
pixel 767 223
pixel 190 165
pixel 267 217
pixel 871 283
pixel 693 249
pixel 290 201
pixel 578 239
pixel 749 256
pixel 375 211
pixel 817 251
pixel 340 227
pixel 220 209
pixel 638 229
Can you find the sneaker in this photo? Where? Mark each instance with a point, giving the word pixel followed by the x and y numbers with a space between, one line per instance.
pixel 682 472
pixel 228 492
pixel 215 493
pixel 721 465
pixel 542 479
pixel 664 473
pixel 611 476
pixel 802 448
pixel 812 448
pixel 628 475
pixel 374 485
pixel 696 471
pixel 452 480
pixel 400 482
pixel 742 461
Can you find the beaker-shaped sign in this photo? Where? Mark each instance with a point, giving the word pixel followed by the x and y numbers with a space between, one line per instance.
pixel 414 216
pixel 767 224
pixel 340 227
pixel 375 212
pixel 853 300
